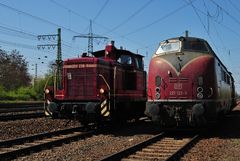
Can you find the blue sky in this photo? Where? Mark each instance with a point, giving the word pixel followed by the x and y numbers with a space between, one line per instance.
pixel 136 25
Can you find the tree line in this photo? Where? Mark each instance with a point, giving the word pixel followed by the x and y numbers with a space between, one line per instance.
pixel 15 81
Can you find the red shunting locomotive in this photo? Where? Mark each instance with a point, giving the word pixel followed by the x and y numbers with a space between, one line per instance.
pixel 110 85
pixel 188 84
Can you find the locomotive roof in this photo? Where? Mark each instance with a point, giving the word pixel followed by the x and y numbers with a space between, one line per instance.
pixel 187 38
pixel 182 38
pixel 118 53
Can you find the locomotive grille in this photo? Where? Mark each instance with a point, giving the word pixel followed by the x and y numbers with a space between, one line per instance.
pixel 181 79
pixel 81 82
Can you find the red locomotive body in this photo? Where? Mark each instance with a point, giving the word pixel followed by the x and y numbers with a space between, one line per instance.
pixel 188 84
pixel 111 85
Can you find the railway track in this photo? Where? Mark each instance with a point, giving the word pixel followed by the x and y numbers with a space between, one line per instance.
pixel 21 116
pixel 11 149
pixel 20 111
pixel 160 147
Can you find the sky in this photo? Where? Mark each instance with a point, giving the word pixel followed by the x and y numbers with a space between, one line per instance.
pixel 135 25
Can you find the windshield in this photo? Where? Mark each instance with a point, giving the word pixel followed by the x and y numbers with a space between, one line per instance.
pixel 166 47
pixel 195 46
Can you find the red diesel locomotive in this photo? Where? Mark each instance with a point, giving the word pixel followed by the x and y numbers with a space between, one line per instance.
pixel 110 85
pixel 188 84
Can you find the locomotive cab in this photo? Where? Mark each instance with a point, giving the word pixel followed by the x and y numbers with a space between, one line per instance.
pixel 105 86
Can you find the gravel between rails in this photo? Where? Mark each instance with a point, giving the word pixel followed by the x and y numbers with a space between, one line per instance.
pixel 98 146
pixel 26 127
pixel 223 143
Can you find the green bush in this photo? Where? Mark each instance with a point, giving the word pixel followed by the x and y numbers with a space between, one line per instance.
pixel 2 93
pixel 30 93
pixel 26 93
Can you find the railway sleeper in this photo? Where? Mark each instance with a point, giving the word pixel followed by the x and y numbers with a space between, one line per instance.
pixel 148 157
pixel 161 154
pixel 158 150
pixel 170 143
pixel 160 146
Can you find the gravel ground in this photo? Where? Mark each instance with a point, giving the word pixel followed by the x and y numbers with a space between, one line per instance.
pixel 20 128
pixel 96 147
pixel 223 142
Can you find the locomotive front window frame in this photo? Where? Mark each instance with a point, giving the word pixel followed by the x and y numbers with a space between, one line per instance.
pixel 195 45
pixel 168 47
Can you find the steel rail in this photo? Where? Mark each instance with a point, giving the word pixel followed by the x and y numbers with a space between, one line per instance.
pixel 17 111
pixel 20 109
pixel 12 117
pixel 22 104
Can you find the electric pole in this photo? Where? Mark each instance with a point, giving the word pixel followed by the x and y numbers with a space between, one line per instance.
pixel 36 71
pixel 59 53
pixel 35 76
pixel 90 36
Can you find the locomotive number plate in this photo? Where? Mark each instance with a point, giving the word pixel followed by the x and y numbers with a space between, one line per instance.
pixel 178 93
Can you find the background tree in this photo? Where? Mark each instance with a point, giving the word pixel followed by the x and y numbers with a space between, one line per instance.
pixel 13 70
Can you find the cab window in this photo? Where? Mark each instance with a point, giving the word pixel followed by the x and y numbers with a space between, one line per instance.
pixel 139 63
pixel 195 46
pixel 168 47
pixel 125 59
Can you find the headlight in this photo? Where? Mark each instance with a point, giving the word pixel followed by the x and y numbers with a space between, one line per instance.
pixel 47 91
pixel 200 95
pixel 101 90
pixel 199 89
pixel 157 95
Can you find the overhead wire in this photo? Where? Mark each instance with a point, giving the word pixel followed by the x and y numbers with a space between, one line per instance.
pixel 209 16
pixel 131 16
pixel 94 22
pixel 21 34
pixel 158 19
pixel 225 11
pixel 78 14
pixel 202 23
pixel 70 10
pixel 100 11
pixel 13 32
pixel 218 22
pixel 234 6
pixel 97 15
pixel 36 17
